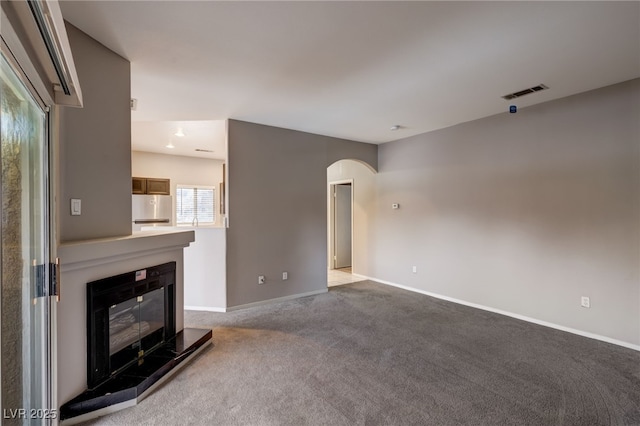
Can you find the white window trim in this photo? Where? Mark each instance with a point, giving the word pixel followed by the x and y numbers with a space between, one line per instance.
pixel 189 186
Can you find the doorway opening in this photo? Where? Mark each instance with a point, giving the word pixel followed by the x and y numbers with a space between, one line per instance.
pixel 350 203
pixel 341 225
pixel 340 233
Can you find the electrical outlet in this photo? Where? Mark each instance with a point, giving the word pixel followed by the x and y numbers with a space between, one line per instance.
pixel 285 276
pixel 415 269
pixel 585 302
pixel 260 279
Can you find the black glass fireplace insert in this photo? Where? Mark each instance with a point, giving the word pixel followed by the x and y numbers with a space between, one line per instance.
pixel 128 317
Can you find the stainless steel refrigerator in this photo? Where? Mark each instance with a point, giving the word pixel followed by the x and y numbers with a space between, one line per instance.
pixel 151 210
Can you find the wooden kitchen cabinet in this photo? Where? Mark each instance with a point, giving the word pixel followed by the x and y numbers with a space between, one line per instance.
pixel 153 186
pixel 139 185
pixel 158 186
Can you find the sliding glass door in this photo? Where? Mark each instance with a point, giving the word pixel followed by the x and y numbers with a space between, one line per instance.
pixel 26 273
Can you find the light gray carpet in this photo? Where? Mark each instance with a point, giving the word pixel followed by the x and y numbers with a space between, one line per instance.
pixel 368 354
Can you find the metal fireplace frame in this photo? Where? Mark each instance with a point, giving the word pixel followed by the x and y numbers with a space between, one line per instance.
pixel 104 293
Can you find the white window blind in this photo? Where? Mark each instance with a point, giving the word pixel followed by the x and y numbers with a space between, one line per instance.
pixel 195 205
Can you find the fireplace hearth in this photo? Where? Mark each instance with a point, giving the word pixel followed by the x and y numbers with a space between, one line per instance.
pixel 132 343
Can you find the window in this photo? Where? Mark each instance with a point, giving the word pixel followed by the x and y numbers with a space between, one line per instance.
pixel 195 205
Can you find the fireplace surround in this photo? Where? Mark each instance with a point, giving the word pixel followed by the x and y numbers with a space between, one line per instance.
pixel 132 342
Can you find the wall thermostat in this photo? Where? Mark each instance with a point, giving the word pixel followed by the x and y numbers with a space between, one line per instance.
pixel 513 109
pixel 395 206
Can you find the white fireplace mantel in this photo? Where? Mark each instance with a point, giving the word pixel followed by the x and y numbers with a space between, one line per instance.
pixel 88 253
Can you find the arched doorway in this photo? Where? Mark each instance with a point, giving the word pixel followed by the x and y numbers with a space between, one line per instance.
pixel 350 198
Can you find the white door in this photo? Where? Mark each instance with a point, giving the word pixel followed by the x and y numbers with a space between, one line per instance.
pixel 342 215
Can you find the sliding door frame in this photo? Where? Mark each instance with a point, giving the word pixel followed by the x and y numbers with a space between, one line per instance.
pixel 22 64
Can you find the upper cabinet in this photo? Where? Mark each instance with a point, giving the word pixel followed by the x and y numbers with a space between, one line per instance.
pixel 158 186
pixel 139 185
pixel 153 186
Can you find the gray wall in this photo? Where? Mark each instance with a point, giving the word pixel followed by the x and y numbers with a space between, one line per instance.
pixel 278 209
pixel 522 212
pixel 95 145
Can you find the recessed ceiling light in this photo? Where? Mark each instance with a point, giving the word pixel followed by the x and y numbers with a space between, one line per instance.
pixel 395 127
pixel 170 145
pixel 179 133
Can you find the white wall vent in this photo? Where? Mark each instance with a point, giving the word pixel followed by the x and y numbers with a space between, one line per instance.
pixel 520 93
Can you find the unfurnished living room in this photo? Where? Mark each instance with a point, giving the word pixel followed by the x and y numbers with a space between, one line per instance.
pixel 320 212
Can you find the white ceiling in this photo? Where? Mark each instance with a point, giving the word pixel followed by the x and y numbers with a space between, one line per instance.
pixel 155 136
pixel 354 69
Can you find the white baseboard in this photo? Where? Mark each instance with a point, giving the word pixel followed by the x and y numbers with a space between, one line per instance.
pixel 204 308
pixel 512 315
pixel 277 299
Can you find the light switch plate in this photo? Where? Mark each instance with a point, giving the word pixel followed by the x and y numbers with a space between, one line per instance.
pixel 76 207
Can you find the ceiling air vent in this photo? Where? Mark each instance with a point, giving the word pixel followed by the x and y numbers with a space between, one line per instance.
pixel 203 150
pixel 520 93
